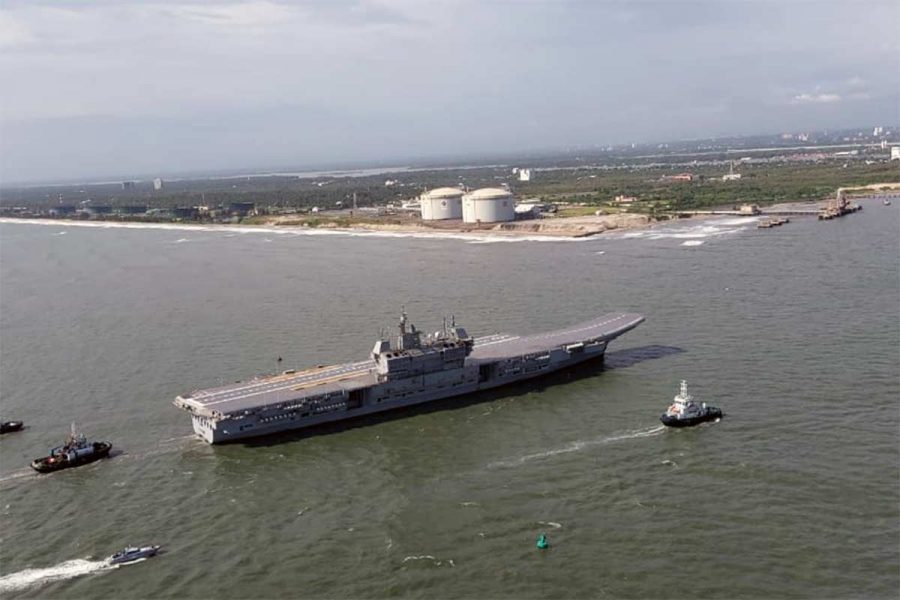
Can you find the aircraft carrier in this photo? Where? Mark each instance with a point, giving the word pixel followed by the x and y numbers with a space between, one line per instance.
pixel 407 369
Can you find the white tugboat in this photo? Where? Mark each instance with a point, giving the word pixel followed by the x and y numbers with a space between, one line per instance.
pixel 684 412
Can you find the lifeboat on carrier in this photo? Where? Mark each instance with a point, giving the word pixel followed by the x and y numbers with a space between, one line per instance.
pixel 77 450
pixel 684 412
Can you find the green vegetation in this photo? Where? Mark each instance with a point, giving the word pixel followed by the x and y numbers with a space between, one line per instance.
pixel 760 184
pixel 585 189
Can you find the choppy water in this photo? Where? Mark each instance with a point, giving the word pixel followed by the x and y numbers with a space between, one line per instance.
pixel 793 331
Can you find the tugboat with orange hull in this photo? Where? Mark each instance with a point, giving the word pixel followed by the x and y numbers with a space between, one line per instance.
pixel 75 452
pixel 684 412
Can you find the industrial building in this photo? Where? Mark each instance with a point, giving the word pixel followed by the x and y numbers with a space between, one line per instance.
pixel 488 205
pixel 441 203
pixel 241 209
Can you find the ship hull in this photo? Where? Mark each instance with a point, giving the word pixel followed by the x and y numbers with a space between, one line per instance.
pixel 299 400
pixel 225 431
pixel 712 414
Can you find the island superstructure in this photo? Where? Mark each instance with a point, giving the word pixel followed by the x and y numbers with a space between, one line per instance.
pixel 407 369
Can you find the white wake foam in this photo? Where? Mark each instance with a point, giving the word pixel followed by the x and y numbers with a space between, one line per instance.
pixel 698 231
pixel 18 474
pixel 30 578
pixel 578 445
pixel 429 558
pixel 693 243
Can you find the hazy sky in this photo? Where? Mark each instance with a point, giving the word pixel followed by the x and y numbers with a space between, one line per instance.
pixel 93 89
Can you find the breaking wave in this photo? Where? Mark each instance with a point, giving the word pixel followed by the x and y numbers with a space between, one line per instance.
pixel 698 231
pixel 472 238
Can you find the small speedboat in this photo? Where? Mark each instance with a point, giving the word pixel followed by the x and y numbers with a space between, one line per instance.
pixel 131 554
pixel 10 426
pixel 684 412
pixel 76 451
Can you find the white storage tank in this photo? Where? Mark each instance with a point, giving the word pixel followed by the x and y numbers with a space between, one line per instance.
pixel 441 203
pixel 489 205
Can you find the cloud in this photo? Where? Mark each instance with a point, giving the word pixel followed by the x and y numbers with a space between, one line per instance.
pixel 815 99
pixel 337 79
pixel 13 32
pixel 256 14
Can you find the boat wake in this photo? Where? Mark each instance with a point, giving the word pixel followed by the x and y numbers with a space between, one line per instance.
pixel 431 560
pixel 16 475
pixel 30 578
pixel 577 446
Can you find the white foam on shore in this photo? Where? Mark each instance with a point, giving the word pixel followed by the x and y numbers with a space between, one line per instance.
pixel 738 221
pixel 699 231
pixel 30 578
pixel 473 238
pixel 579 445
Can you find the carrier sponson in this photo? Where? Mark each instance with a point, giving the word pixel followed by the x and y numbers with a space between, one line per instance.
pixel 296 397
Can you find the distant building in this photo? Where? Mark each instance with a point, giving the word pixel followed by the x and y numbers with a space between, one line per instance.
pixel 524 174
pixel 749 209
pixel 241 209
pixel 127 185
pixel 877 131
pixel 96 210
pixel 529 210
pixel 621 199
pixel 678 177
pixel 895 152
pixel 185 212
pixel 731 175
pixel 61 210
pixel 131 210
pixel 157 184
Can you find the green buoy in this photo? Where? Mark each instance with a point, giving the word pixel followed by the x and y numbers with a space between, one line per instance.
pixel 542 542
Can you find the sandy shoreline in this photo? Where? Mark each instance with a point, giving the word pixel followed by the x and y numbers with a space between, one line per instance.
pixel 553 229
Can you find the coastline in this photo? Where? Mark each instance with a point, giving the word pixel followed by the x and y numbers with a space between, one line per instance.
pixel 558 229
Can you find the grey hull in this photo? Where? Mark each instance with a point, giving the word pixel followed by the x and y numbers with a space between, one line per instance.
pixel 299 400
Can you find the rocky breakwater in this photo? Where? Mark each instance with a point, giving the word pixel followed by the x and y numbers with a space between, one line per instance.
pixel 575 226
